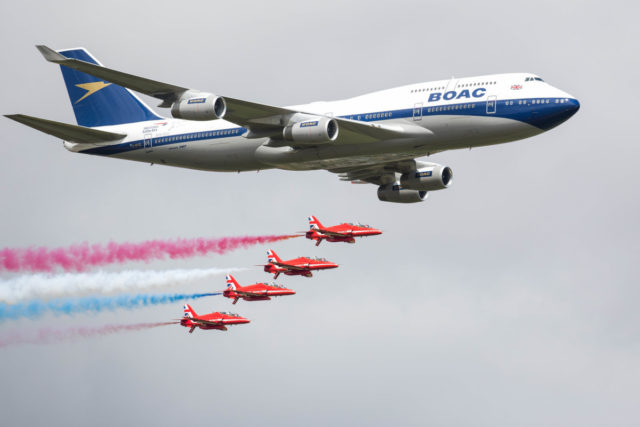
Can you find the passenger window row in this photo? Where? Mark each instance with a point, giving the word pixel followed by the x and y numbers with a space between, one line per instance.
pixel 451 108
pixel 431 89
pixel 198 135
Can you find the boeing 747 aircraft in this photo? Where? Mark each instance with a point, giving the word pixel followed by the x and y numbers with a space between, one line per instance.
pixel 374 138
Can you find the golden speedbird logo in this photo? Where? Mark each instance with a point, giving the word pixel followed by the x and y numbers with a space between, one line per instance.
pixel 91 88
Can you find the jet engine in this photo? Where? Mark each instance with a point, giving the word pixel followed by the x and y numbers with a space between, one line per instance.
pixel 199 106
pixel 312 130
pixel 428 178
pixel 397 194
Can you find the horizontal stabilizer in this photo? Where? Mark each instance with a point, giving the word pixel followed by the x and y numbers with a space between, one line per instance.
pixel 67 132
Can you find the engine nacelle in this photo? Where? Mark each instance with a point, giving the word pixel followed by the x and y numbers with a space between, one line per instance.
pixel 397 194
pixel 428 178
pixel 312 130
pixel 199 106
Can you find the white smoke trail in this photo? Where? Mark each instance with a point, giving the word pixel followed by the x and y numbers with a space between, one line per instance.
pixel 33 286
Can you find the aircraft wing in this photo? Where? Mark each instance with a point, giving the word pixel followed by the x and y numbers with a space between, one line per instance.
pixel 250 294
pixel 168 93
pixel 379 173
pixel 332 233
pixel 289 266
pixel 206 322
pixel 262 120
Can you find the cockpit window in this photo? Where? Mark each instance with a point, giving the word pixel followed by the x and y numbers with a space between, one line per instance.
pixel 228 313
pixel 531 79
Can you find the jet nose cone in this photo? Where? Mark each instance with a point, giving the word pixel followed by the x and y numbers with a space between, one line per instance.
pixel 245 320
pixel 553 114
pixel 571 107
pixel 574 106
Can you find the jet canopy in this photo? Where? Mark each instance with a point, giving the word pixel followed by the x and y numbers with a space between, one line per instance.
pixel 357 224
pixel 227 313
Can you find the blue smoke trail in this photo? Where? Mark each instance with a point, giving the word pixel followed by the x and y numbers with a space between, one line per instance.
pixel 33 309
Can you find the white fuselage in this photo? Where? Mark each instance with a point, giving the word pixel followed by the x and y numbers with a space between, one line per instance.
pixel 455 113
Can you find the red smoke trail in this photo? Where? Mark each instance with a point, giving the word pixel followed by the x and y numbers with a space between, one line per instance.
pixel 50 336
pixel 82 256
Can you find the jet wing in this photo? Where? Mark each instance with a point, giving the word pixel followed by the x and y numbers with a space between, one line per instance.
pixel 262 120
pixel 206 322
pixel 332 233
pixel 289 266
pixel 168 93
pixel 381 173
pixel 250 294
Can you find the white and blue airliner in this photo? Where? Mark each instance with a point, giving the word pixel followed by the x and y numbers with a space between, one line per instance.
pixel 375 138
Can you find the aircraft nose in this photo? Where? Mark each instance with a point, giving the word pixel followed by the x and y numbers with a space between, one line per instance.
pixel 575 105
pixel 556 113
pixel 568 109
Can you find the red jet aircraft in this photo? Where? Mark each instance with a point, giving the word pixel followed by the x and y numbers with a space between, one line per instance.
pixel 338 233
pixel 217 320
pixel 255 292
pixel 295 267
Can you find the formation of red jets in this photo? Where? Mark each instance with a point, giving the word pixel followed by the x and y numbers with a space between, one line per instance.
pixel 301 266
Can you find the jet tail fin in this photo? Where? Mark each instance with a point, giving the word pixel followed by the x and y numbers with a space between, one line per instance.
pixel 232 283
pixel 188 312
pixel 314 224
pixel 96 101
pixel 67 132
pixel 272 256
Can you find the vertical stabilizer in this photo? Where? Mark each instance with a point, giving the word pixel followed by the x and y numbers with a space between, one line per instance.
pixel 314 224
pixel 188 312
pixel 232 283
pixel 272 256
pixel 96 102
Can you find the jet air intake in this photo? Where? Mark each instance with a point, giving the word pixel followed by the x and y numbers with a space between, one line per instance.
pixel 199 106
pixel 312 130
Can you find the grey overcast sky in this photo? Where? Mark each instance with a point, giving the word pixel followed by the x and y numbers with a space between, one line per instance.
pixel 509 299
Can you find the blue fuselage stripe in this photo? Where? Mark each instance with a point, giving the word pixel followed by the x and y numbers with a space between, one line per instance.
pixel 543 113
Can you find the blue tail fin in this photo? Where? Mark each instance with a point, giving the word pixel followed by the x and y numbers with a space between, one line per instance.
pixel 99 103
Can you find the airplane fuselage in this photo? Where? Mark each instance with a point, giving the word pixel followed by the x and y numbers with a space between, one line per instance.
pixel 441 115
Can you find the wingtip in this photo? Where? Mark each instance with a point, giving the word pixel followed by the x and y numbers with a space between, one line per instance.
pixel 16 117
pixel 50 54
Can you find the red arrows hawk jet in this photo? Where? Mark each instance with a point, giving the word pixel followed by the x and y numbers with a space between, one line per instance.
pixel 295 267
pixel 338 233
pixel 217 320
pixel 255 292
